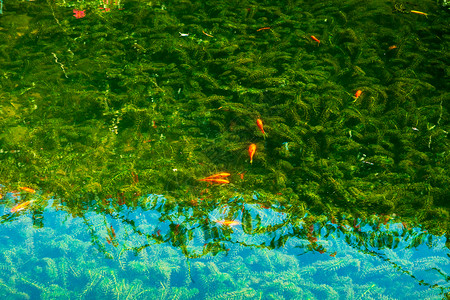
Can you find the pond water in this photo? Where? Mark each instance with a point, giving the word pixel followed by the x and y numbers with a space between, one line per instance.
pixel 155 252
pixel 190 149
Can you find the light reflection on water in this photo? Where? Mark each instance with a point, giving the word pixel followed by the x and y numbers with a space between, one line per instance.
pixel 139 253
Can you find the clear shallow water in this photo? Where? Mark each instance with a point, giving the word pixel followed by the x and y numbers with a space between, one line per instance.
pixel 122 99
pixel 143 253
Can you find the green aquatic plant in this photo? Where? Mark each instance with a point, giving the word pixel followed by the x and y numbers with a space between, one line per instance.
pixel 233 274
pixel 129 106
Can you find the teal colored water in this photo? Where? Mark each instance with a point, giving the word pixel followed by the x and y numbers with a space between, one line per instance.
pixel 153 252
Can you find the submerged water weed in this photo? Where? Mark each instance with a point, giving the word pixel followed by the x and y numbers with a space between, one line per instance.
pixel 123 105
pixel 135 253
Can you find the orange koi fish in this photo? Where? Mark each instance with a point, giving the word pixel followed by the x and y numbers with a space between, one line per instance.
pixel 21 206
pixel 216 180
pixel 228 222
pixel 259 122
pixel 357 94
pixel 419 13
pixel 27 189
pixel 207 34
pixel 316 39
pixel 219 175
pixel 251 152
pixel 263 28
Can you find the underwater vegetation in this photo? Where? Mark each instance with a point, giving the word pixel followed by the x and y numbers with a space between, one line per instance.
pixel 147 98
pixel 160 251
pixel 103 102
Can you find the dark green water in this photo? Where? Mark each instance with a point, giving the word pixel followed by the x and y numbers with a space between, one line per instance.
pixel 105 105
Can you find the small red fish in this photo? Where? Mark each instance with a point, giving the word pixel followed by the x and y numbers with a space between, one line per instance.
pixel 263 28
pixel 207 34
pixel 216 180
pixel 419 13
pixel 21 206
pixel 219 175
pixel 316 39
pixel 228 222
pixel 27 189
pixel 251 152
pixel 259 122
pixel 358 93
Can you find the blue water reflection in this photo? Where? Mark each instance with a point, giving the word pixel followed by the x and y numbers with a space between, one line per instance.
pixel 151 251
